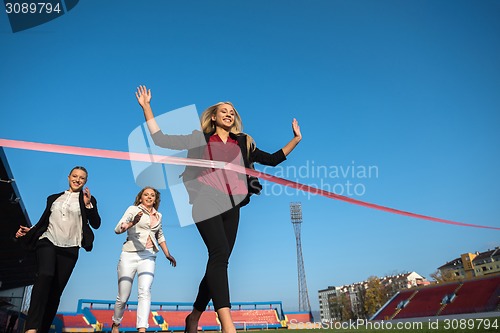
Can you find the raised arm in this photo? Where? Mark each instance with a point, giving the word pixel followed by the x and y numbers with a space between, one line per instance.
pixel 297 136
pixel 144 98
pixel 178 142
pixel 262 157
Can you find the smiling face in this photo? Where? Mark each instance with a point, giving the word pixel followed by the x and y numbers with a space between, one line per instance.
pixel 224 116
pixel 77 179
pixel 148 198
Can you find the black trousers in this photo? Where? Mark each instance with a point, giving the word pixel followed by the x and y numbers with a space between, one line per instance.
pixel 219 234
pixel 55 265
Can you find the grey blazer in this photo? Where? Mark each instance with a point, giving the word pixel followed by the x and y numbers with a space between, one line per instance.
pixel 138 234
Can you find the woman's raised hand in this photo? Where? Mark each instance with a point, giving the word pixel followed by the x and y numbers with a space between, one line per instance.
pixel 143 95
pixel 86 196
pixel 297 136
pixel 296 129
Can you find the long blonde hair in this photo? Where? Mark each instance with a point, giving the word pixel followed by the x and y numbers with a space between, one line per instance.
pixel 208 126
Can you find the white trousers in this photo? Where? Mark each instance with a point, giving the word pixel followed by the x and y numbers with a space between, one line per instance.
pixel 142 263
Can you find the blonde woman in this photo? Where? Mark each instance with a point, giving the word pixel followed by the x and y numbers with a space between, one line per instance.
pixel 216 194
pixel 145 238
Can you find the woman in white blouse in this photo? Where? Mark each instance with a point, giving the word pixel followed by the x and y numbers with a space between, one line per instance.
pixel 145 238
pixel 57 237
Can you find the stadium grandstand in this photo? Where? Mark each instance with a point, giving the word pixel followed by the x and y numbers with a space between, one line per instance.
pixel 17 265
pixel 95 316
pixel 476 296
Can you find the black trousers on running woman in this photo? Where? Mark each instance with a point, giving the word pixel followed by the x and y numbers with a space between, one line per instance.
pixel 219 234
pixel 55 265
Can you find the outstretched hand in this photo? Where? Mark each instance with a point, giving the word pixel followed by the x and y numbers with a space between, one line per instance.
pixel 143 95
pixel 297 136
pixel 296 129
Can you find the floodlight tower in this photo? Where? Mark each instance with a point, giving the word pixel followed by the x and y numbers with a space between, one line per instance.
pixel 296 216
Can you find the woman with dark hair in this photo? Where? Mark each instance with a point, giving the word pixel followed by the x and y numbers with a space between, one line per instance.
pixel 63 228
pixel 142 222
pixel 216 194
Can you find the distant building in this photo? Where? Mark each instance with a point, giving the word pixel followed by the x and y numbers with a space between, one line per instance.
pixel 395 283
pixel 324 309
pixel 337 302
pixel 471 265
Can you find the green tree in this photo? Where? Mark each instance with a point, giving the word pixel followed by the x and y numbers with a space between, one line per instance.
pixel 361 291
pixel 335 307
pixel 347 313
pixel 375 295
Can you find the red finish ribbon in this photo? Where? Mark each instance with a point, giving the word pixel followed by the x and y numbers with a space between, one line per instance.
pixel 140 157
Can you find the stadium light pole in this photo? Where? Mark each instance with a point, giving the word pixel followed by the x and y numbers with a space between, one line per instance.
pixel 296 217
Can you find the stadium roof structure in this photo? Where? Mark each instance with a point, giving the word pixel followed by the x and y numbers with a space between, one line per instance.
pixel 17 265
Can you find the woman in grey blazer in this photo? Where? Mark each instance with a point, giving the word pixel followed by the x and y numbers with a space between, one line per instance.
pixel 145 238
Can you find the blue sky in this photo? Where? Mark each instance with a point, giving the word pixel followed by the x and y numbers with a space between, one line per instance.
pixel 409 88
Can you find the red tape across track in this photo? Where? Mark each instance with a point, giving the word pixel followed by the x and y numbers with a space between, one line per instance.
pixel 139 157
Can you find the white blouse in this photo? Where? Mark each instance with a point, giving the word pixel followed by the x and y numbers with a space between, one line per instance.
pixel 65 221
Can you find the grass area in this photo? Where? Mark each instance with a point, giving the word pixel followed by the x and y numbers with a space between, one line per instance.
pixel 446 326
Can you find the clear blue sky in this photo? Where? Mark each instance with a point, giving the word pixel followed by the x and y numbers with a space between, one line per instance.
pixel 410 88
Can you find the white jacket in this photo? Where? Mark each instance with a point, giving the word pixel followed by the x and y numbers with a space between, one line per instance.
pixel 137 235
